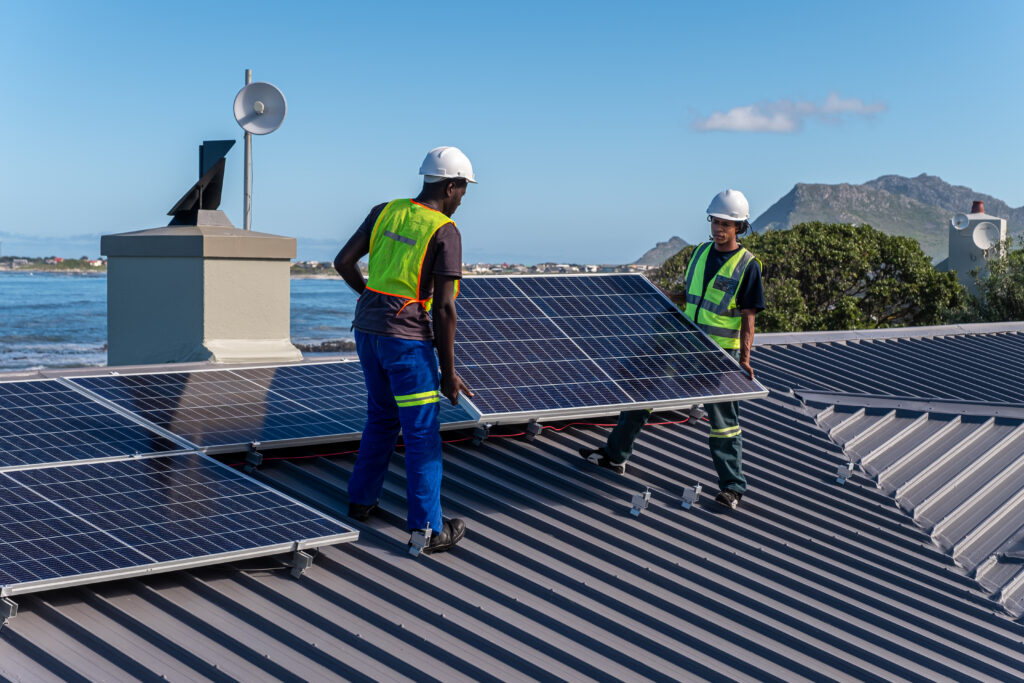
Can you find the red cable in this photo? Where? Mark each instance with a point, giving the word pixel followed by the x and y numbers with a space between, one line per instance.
pixel 467 438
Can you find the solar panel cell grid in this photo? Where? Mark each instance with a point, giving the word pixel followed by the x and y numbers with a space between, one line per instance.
pixel 564 343
pixel 214 408
pixel 63 522
pixel 44 421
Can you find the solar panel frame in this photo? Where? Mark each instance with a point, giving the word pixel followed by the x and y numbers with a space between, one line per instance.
pixel 92 540
pixel 501 287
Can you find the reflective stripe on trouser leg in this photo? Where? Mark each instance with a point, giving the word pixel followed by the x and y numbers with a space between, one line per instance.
pixel 726 445
pixel 407 368
pixel 412 370
pixel 382 426
pixel 620 442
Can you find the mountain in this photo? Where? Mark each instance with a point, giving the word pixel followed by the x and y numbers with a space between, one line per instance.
pixel 918 207
pixel 661 252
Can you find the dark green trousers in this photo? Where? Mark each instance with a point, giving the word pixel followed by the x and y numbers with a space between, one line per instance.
pixel 725 441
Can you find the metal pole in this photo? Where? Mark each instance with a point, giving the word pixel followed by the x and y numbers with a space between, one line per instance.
pixel 247 190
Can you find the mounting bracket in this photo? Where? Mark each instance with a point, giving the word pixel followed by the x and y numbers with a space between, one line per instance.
pixel 481 433
pixel 696 412
pixel 253 458
pixel 844 472
pixel 640 502
pixel 301 561
pixel 533 428
pixel 419 541
pixel 691 494
pixel 8 609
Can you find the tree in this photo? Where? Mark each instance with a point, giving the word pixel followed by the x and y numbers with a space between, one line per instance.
pixel 1002 291
pixel 835 276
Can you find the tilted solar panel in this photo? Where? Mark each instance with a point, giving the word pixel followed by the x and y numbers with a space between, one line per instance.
pixel 334 389
pixel 226 410
pixel 80 523
pixel 213 408
pixel 43 421
pixel 533 346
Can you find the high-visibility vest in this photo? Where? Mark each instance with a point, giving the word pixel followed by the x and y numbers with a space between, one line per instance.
pixel 398 245
pixel 714 310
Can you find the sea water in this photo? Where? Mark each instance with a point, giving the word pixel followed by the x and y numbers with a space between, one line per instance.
pixel 59 320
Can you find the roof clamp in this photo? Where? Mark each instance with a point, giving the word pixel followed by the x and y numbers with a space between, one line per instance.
pixel 8 610
pixel 533 428
pixel 481 433
pixel 301 561
pixel 844 472
pixel 420 540
pixel 253 458
pixel 691 494
pixel 640 502
pixel 696 413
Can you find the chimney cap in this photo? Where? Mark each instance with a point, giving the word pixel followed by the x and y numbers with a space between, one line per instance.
pixel 978 206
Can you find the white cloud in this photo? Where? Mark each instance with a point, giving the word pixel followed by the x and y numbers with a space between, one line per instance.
pixel 785 116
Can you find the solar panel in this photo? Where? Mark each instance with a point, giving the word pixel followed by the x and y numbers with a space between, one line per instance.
pixel 226 410
pixel 336 390
pixel 43 421
pixel 214 409
pixel 88 522
pixel 534 346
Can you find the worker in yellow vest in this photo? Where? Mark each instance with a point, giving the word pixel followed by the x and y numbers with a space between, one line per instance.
pixel 415 262
pixel 723 296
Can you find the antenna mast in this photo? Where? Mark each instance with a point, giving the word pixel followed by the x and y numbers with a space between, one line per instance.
pixel 247 181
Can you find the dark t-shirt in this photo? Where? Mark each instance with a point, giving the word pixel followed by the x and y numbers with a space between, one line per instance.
pixel 377 313
pixel 751 291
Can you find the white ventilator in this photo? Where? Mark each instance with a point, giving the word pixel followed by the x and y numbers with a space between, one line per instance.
pixel 729 205
pixel 446 162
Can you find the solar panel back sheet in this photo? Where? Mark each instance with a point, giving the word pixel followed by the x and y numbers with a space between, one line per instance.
pixel 565 346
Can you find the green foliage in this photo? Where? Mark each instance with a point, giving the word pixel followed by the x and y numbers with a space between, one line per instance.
pixel 1002 292
pixel 834 276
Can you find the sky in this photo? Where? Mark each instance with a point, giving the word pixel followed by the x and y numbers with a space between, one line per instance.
pixel 595 129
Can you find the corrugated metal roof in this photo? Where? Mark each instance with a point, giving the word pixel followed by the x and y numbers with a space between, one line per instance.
pixel 957 467
pixel 556 580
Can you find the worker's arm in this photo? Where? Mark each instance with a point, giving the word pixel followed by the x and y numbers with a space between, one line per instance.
pixel 443 311
pixel 347 260
pixel 747 338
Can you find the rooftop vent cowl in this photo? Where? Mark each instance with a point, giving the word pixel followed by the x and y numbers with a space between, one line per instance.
pixel 978 206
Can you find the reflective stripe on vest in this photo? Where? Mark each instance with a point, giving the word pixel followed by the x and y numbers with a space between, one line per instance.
pixel 714 310
pixel 398 245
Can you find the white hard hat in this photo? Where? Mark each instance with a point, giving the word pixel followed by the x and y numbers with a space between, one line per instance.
pixel 729 205
pixel 446 162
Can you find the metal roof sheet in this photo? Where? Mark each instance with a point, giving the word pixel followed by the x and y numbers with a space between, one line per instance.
pixel 555 579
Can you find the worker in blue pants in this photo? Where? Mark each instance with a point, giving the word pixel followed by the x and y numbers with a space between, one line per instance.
pixel 406 309
pixel 401 384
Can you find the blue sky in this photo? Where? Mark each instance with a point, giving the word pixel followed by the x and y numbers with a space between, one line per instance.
pixel 595 129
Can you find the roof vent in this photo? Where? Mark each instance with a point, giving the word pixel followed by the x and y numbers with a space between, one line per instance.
pixel 978 206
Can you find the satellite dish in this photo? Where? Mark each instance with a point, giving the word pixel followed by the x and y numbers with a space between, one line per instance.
pixel 985 235
pixel 260 108
pixel 960 221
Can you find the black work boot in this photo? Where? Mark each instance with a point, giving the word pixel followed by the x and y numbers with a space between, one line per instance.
pixel 599 457
pixel 451 533
pixel 361 513
pixel 729 498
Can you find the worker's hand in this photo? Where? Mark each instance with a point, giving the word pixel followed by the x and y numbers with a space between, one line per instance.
pixel 451 386
pixel 745 364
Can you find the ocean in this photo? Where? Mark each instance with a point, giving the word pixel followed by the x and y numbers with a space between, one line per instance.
pixel 59 320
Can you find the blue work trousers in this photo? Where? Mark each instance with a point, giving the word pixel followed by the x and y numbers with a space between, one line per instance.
pixel 402 395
